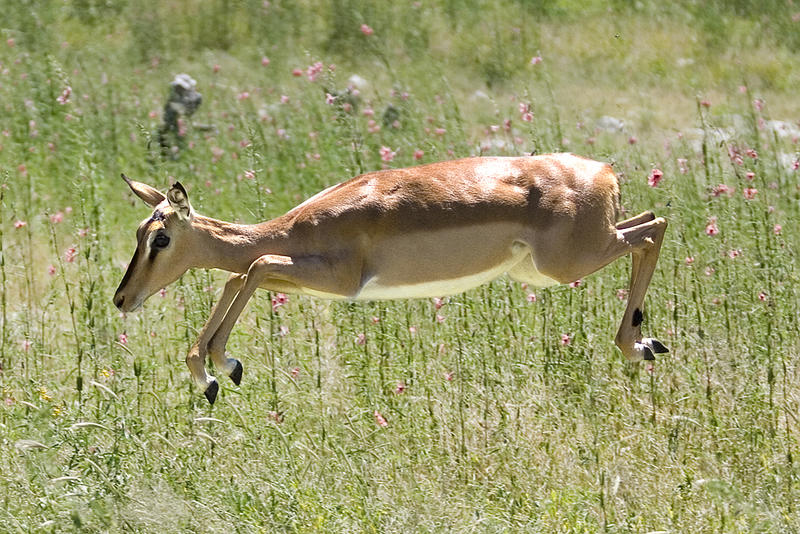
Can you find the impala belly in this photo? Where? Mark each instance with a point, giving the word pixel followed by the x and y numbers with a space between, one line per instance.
pixel 446 262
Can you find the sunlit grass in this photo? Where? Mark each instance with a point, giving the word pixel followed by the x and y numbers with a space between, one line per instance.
pixel 489 411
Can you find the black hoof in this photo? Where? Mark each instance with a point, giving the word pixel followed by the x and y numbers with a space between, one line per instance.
pixel 211 392
pixel 658 347
pixel 236 374
pixel 648 355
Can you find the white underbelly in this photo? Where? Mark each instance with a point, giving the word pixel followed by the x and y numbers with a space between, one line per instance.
pixel 373 289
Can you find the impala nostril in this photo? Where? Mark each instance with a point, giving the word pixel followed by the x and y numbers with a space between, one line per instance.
pixel 118 300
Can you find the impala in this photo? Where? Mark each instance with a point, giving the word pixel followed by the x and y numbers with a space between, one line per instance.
pixel 425 231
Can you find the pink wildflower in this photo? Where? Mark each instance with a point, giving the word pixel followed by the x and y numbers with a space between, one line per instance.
pixel 297 73
pixel 720 190
pixel 63 98
pixel 387 154
pixel 440 318
pixel 294 372
pixel 683 165
pixel 20 224
pixel 758 104
pixel 69 255
pixel 284 99
pixel 750 193
pixel 762 296
pixel 448 375
pixel 777 229
pixel 438 302
pixel 622 294
pixel 418 154
pixel 689 260
pixel 313 71
pixel 750 176
pixel 264 61
pixel 380 420
pixel 535 60
pixel 366 30
pixel 329 99
pixel 655 177
pixel 400 388
pixel 711 226
pixel 123 338
pixel 215 68
pixel 26 344
pixel 751 153
pixel 531 297
pixel 565 339
pixel 575 283
pixel 278 300
pixel 361 339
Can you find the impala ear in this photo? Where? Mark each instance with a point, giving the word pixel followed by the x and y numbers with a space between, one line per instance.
pixel 179 200
pixel 152 196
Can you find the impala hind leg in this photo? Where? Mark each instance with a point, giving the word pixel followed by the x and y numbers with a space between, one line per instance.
pixel 196 358
pixel 643 241
pixel 643 217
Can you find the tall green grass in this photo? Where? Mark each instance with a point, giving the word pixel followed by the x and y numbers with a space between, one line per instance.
pixel 502 412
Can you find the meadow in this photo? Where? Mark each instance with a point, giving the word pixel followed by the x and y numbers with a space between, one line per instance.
pixel 505 409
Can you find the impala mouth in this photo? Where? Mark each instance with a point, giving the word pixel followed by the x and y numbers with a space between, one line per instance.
pixel 127 305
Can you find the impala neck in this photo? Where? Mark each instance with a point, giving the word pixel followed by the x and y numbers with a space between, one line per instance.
pixel 233 247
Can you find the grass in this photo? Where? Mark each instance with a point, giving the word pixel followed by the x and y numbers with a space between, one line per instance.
pixel 493 423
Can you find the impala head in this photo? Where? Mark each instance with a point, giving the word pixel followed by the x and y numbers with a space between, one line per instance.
pixel 163 242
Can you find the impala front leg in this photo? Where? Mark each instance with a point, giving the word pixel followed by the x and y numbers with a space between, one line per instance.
pixel 196 358
pixel 342 277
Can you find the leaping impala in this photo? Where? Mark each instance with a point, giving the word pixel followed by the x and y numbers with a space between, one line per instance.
pixel 425 231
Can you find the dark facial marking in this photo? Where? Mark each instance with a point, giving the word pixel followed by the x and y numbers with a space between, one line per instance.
pixel 158 215
pixel 638 317
pixel 159 243
pixel 129 272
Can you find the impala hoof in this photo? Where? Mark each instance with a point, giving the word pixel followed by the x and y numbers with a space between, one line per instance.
pixel 211 392
pixel 236 374
pixel 657 346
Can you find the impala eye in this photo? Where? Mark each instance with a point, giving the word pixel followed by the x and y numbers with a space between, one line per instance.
pixel 161 241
